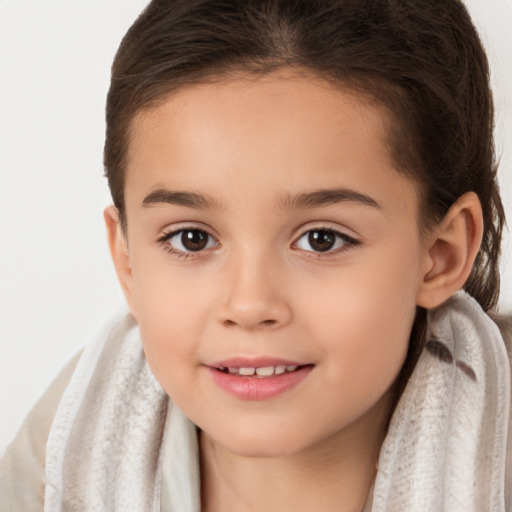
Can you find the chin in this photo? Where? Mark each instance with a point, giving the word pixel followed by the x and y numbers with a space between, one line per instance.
pixel 263 443
pixel 261 449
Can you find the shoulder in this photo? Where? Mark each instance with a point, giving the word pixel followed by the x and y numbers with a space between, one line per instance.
pixel 504 322
pixel 22 466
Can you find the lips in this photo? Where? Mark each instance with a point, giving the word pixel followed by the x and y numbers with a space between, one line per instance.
pixel 261 379
pixel 261 371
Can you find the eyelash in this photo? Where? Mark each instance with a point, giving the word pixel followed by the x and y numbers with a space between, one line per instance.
pixel 180 254
pixel 348 241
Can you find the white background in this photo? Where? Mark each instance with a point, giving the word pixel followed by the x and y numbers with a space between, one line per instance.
pixel 57 284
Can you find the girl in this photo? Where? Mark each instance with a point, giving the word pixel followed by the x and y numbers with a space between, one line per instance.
pixel 301 190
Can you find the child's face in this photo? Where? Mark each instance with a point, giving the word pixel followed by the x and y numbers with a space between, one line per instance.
pixel 268 227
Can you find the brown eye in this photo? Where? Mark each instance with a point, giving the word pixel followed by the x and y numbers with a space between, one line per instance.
pixel 321 240
pixel 194 239
pixel 188 240
pixel 324 240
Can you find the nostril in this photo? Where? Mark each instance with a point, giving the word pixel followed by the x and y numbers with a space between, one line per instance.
pixel 264 323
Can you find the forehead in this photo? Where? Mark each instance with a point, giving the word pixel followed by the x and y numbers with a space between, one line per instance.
pixel 250 102
pixel 280 130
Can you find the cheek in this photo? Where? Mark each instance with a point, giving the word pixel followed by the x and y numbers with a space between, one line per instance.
pixel 170 310
pixel 366 316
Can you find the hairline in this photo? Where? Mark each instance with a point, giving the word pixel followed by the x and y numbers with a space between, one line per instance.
pixel 351 84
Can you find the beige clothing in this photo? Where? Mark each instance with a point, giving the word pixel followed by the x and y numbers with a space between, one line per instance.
pixel 22 467
pixel 22 475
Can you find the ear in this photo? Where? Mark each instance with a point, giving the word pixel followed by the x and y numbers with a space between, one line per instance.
pixel 118 245
pixel 451 249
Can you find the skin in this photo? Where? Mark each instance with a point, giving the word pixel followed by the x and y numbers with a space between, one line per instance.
pixel 259 288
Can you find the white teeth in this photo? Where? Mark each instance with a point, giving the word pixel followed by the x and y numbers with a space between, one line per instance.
pixel 263 371
pixel 247 371
pixel 266 371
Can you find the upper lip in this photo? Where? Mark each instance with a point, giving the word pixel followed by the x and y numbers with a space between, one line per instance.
pixel 254 362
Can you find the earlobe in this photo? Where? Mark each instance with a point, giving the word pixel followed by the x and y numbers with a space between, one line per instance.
pixel 451 251
pixel 119 251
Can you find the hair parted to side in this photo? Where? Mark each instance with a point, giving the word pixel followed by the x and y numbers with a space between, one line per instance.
pixel 421 59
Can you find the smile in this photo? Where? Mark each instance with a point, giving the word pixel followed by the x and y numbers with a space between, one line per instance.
pixel 262 371
pixel 258 382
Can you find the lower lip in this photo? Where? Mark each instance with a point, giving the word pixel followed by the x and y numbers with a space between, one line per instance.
pixel 256 388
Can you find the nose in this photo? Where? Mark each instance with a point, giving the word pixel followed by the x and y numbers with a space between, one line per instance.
pixel 255 296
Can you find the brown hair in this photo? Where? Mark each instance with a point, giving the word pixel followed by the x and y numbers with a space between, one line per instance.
pixel 421 59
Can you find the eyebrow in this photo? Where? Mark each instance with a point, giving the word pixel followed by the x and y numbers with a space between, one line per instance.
pixel 313 199
pixel 327 197
pixel 180 198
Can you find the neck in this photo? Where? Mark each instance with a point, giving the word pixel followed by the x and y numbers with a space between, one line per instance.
pixel 335 474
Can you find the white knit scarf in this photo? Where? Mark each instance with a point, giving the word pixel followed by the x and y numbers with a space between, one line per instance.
pixel 446 446
pixel 445 450
pixel 103 452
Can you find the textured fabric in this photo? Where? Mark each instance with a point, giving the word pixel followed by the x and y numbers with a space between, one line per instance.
pixel 22 466
pixel 104 447
pixel 446 446
pixel 180 471
pixel 445 449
